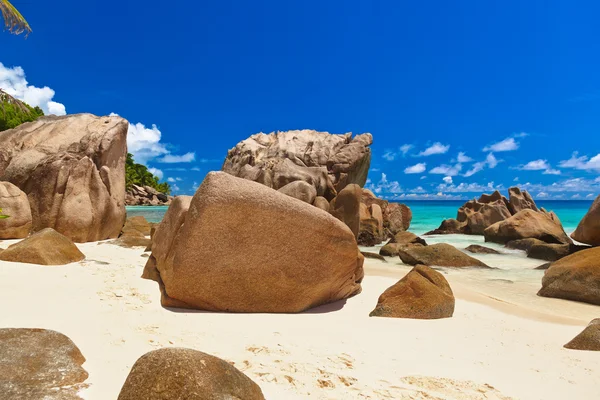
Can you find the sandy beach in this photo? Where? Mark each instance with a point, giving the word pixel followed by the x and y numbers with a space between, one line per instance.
pixel 500 343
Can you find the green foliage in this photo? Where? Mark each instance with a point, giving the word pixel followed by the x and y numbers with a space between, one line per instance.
pixel 2 216
pixel 138 174
pixel 14 112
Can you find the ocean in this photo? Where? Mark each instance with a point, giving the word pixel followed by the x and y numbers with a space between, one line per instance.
pixel 427 214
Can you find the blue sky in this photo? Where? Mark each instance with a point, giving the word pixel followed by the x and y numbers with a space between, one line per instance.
pixel 461 97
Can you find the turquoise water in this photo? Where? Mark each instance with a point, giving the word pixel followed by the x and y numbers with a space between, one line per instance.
pixel 427 215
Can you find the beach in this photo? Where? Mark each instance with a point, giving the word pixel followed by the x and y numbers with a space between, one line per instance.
pixel 502 342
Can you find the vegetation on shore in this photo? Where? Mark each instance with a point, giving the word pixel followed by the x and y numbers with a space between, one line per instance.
pixel 138 174
pixel 14 112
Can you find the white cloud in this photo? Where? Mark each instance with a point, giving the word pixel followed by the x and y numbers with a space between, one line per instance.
pixel 582 162
pixel 175 188
pixel 469 188
pixel 449 170
pixel 416 169
pixel 508 144
pixel 405 148
pixel 535 165
pixel 173 180
pixel 542 195
pixel 171 158
pixel 157 172
pixel 589 196
pixel 463 158
pixel 436 148
pixel 13 82
pixel 568 185
pixel 389 155
pixel 384 186
pixel 576 196
pixel 491 160
pixel 144 143
pixel 448 179
pixel 198 169
pixel 551 171
pixel 478 166
pixel 516 179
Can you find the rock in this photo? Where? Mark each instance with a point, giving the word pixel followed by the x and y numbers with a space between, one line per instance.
pixel 72 169
pixel 371 225
pixel 136 226
pixel 588 230
pixel 346 207
pixel 289 255
pixel 485 216
pixel 129 241
pixel 300 190
pixel 322 203
pixel 422 294
pixel 575 277
pixel 146 196
pixel 397 217
pixel 448 226
pixel 520 200
pixel 407 238
pixel 543 267
pixel 39 364
pixel 528 224
pixel 15 204
pixel 477 249
pixel 522 244
pixel 441 255
pixel 549 251
pixel 374 256
pixel 46 247
pixel 390 249
pixel 177 373
pixel 328 162
pixel 588 339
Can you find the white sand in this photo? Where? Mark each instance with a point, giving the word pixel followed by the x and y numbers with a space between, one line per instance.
pixel 333 352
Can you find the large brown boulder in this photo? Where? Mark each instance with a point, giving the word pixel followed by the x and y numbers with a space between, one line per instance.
pixel 39 364
pixel 346 207
pixel 177 373
pixel 477 249
pixel 14 203
pixel 588 339
pixel 422 294
pixel 588 230
pixel 575 277
pixel 72 169
pixel 520 200
pixel 46 247
pixel 553 251
pixel 528 224
pixel 327 161
pixel 289 256
pixel 136 226
pixel 397 218
pixel 300 190
pixel 441 255
pixel 486 215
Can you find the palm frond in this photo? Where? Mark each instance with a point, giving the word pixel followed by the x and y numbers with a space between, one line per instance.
pixel 13 20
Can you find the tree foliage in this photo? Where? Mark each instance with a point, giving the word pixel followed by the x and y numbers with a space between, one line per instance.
pixel 14 112
pixel 13 20
pixel 138 174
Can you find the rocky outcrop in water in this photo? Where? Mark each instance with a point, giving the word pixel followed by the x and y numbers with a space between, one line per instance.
pixel 440 254
pixel 289 256
pixel 72 169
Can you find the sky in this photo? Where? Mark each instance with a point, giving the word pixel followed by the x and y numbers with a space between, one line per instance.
pixel 461 97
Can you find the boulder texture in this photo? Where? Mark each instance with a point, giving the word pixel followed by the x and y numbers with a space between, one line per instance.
pixel 575 277
pixel 441 255
pixel 178 373
pixel 14 203
pixel 552 251
pixel 135 233
pixel 527 224
pixel 422 294
pixel 327 161
pixel 400 240
pixel 522 244
pixel 477 249
pixel 300 190
pixel 39 364
pixel 46 247
pixel 322 203
pixel 72 169
pixel 588 230
pixel 475 216
pixel 146 196
pixel 588 339
pixel 289 256
pixel 346 207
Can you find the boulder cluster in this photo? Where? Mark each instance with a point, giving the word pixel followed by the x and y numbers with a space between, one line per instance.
pixel 325 170
pixel 146 196
pixel 66 173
